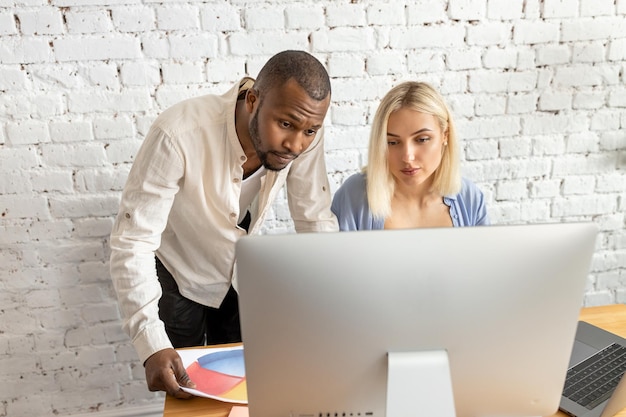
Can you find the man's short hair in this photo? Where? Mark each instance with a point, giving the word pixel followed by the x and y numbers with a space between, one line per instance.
pixel 303 67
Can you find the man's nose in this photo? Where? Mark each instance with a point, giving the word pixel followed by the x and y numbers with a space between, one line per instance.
pixel 296 142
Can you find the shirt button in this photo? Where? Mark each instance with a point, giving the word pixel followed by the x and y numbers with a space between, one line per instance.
pixel 127 215
pixel 236 180
pixel 242 157
pixel 233 215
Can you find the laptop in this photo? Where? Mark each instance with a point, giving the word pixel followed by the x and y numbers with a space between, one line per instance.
pixel 595 385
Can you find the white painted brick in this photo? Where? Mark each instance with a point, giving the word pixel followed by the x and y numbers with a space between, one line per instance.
pixel 84 206
pixel 264 18
pixel 584 142
pixel 19 207
pixel 97 48
pixel 589 99
pixel 103 76
pixel 535 32
pixel 47 181
pixel 73 155
pixel 613 141
pixel 586 76
pixel 225 70
pixel 552 100
pixel 113 128
pixel 489 127
pixel 13 79
pixel 387 62
pixel 252 43
pixel 481 149
pixel 533 9
pixel 560 8
pixel 14 182
pixel 345 65
pixel 182 73
pixel 612 183
pixel 520 103
pixel 348 114
pixel 582 164
pixel 426 11
pixel 7 24
pixel 343 39
pixel 193 46
pixel 617 49
pixel 304 17
pixel 515 147
pixel 588 29
pixel 426 61
pixel 386 14
pixel 70 131
pixel 511 190
pixel 177 18
pixel 553 54
pixel 505 9
pixel 548 145
pixel 135 74
pixel 427 37
pixel 123 151
pixel 43 21
pixel 461 105
pixel 218 17
pixel 583 206
pixel 589 52
pixel 533 211
pixel 597 7
pixel 464 59
pixel 94 228
pixel 505 213
pixel 466 9
pixel 24 133
pixel 605 120
pixel 578 185
pixel 352 14
pixel 553 124
pixel 499 58
pixel 490 105
pixel 496 82
pixel 16 50
pixel 617 97
pixel 545 188
pixel 98 101
pixel 97 21
pixel 133 18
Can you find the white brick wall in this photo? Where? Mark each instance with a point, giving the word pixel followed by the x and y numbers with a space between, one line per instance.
pixel 538 88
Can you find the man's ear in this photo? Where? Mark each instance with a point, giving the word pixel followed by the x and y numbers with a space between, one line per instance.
pixel 252 98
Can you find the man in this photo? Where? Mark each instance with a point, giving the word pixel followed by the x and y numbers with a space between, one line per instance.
pixel 207 173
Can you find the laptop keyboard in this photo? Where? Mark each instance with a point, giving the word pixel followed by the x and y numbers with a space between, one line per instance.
pixel 592 381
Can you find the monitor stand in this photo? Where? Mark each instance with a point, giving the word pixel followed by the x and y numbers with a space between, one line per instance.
pixel 419 384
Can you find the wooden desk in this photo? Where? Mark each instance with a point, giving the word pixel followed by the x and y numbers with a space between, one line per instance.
pixel 611 318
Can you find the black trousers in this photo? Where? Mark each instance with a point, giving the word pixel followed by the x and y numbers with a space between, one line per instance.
pixel 188 323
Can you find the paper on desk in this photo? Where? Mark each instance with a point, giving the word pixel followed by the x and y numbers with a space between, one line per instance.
pixel 218 373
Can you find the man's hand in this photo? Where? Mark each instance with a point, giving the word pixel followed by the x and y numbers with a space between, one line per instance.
pixel 165 372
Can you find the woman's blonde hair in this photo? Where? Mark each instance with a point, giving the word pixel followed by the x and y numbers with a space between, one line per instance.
pixel 423 98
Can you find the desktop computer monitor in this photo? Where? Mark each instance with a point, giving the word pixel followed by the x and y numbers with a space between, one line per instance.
pixel 476 321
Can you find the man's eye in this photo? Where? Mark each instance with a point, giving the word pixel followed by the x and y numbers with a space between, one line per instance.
pixel 310 132
pixel 285 124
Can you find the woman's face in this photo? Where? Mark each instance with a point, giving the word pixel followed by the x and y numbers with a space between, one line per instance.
pixel 415 145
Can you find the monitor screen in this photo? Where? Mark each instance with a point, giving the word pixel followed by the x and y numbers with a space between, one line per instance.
pixel 475 321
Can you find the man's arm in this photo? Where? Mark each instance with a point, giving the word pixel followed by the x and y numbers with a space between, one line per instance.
pixel 308 190
pixel 144 208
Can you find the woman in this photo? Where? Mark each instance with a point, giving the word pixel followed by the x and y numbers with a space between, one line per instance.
pixel 412 178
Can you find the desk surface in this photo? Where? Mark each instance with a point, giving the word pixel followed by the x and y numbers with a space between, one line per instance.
pixel 611 318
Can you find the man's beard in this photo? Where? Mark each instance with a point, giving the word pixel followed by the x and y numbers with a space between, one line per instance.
pixel 256 142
